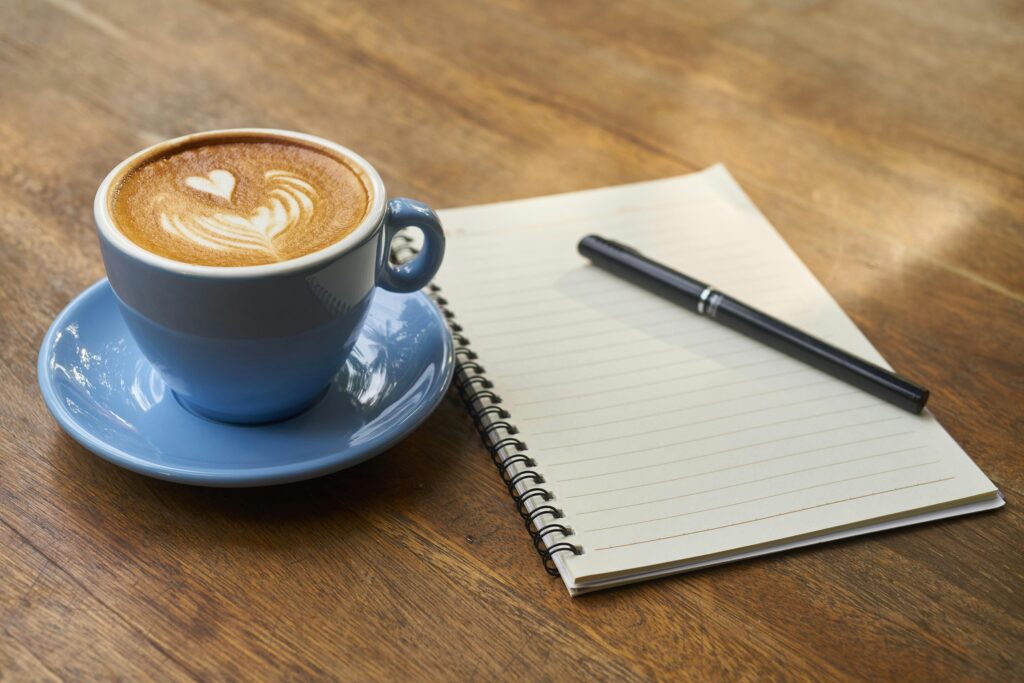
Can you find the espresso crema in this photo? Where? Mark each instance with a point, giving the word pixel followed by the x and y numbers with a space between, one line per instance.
pixel 239 200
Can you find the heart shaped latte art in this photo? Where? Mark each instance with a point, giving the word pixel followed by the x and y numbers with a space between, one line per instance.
pixel 218 182
pixel 289 203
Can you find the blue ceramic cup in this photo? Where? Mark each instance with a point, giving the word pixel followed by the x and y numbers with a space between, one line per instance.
pixel 250 344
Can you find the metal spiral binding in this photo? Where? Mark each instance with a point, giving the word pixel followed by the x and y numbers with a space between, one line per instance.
pixel 493 422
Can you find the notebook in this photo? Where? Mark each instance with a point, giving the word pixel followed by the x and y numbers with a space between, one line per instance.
pixel 638 439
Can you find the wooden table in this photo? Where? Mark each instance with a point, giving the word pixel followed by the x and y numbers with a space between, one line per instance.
pixel 883 139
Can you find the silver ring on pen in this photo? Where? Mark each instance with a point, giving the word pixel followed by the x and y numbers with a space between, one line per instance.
pixel 704 299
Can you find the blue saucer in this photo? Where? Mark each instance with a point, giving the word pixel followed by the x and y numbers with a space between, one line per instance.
pixel 106 395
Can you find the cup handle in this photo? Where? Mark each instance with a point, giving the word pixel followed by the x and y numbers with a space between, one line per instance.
pixel 414 275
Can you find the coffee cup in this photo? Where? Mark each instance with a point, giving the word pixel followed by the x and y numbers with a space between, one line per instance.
pixel 259 343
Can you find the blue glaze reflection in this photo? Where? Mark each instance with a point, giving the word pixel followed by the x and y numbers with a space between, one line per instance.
pixel 91 379
pixel 111 399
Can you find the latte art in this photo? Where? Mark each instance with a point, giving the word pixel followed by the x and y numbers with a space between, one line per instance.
pixel 218 182
pixel 240 202
pixel 290 205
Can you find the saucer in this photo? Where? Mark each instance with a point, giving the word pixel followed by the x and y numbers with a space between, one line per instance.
pixel 106 395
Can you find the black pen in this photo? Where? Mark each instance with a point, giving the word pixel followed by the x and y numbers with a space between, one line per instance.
pixel 701 298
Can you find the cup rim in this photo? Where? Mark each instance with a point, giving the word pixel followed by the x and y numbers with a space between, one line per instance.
pixel 117 239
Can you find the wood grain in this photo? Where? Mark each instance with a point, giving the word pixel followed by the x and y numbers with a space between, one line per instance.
pixel 884 140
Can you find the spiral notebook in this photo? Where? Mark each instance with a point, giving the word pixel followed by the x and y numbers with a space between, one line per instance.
pixel 638 439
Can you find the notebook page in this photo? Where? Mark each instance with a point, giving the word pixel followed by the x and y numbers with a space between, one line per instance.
pixel 665 436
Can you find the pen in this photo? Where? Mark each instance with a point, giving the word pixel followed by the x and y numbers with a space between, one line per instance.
pixel 631 265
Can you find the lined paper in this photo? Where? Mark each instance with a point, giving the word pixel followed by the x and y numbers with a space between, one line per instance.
pixel 666 438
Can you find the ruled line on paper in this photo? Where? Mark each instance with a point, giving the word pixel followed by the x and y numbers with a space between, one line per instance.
pixel 637 296
pixel 545 258
pixel 611 285
pixel 782 475
pixel 545 280
pixel 631 371
pixel 778 494
pixel 660 397
pixel 498 271
pixel 584 277
pixel 669 234
pixel 486 273
pixel 661 223
pixel 659 305
pixel 630 296
pixel 626 295
pixel 549 270
pixel 646 355
pixel 671 208
pixel 664 207
pixel 753 265
pixel 724 417
pixel 715 436
pixel 678 410
pixel 656 382
pixel 675 336
pixel 683 325
pixel 485 235
pixel 677 461
pixel 565 291
pixel 779 514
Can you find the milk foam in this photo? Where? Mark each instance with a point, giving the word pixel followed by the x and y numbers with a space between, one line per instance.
pixel 240 202
pixel 289 204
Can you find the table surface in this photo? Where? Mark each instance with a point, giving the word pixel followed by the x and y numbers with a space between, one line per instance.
pixel 882 139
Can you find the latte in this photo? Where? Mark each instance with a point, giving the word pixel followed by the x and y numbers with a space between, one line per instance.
pixel 240 200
